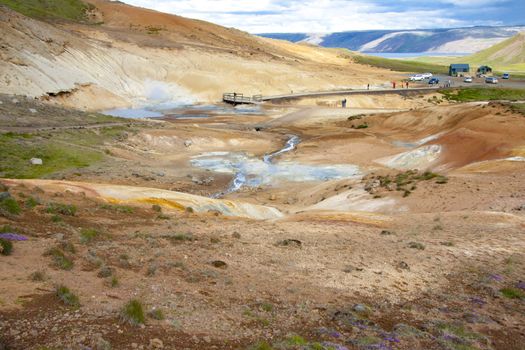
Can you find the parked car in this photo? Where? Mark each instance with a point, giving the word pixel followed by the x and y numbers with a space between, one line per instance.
pixel 427 75
pixel 505 76
pixel 417 77
pixel 467 80
pixel 433 81
pixel 491 80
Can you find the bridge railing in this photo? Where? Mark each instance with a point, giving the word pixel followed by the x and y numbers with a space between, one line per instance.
pixel 233 97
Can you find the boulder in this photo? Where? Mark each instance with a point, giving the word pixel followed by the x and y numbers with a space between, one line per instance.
pixel 36 161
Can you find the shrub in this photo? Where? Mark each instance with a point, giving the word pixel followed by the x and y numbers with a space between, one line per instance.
pixel 512 293
pixel 67 297
pixel 114 282
pixel 10 206
pixel 60 259
pixel 156 314
pixel 179 237
pixel 60 208
pixel 56 219
pixel 416 245
pixel 88 235
pixel 118 208
pixel 31 202
pixel 105 272
pixel 133 313
pixel 262 346
pixel 37 276
pixel 156 208
pixel 6 247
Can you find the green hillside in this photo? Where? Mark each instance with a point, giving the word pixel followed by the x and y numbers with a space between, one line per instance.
pixel 508 52
pixel 74 10
pixel 507 56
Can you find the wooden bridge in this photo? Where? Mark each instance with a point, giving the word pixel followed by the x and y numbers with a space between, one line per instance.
pixel 236 98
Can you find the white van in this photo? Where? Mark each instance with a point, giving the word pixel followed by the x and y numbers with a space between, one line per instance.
pixel 417 77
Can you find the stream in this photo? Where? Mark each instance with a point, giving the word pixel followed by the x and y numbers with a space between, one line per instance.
pixel 253 172
pixel 240 178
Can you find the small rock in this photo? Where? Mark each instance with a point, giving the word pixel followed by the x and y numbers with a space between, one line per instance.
pixel 207 339
pixel 273 197
pixel 520 208
pixel 386 233
pixel 15 101
pixel 156 343
pixel 290 243
pixel 236 235
pixel 219 264
pixel 32 110
pixel 188 143
pixel 36 161
pixel 360 308
pixel 4 195
pixel 403 265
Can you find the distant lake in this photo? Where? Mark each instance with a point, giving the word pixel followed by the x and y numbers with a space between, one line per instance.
pixel 414 54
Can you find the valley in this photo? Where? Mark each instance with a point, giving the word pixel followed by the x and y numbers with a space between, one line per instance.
pixel 137 211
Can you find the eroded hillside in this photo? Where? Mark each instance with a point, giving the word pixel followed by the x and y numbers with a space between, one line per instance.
pixel 134 55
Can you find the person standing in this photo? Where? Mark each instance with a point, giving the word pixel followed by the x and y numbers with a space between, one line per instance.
pixel 343 103
pixel 368 86
pixel 407 84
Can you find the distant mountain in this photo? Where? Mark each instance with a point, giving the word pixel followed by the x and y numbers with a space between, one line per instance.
pixel 455 40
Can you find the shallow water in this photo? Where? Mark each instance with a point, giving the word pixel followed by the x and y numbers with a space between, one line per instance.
pixel 253 172
pixel 184 111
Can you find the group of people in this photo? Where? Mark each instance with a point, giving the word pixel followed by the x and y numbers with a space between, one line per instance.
pixel 394 84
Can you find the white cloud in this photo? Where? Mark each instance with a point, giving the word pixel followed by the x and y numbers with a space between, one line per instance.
pixel 265 16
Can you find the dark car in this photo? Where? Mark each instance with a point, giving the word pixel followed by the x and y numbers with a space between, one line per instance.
pixel 433 81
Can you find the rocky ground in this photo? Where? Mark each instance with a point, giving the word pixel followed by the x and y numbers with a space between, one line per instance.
pixel 393 259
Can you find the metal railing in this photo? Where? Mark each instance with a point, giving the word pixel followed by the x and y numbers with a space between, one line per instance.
pixel 237 98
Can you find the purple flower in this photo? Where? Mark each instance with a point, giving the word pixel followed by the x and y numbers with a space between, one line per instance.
pixel 477 301
pixel 335 346
pixel 391 338
pixel 335 334
pixel 496 277
pixel 13 237
pixel 520 285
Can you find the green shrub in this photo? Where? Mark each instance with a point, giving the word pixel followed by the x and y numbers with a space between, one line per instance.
pixel 88 235
pixel 262 346
pixel 156 314
pixel 6 247
pixel 114 282
pixel 118 208
pixel 133 313
pixel 60 208
pixel 60 260
pixel 56 219
pixel 10 206
pixel 416 245
pixel 512 293
pixel 66 296
pixel 37 276
pixel 31 202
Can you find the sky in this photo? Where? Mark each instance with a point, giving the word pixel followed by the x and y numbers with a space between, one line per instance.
pixel 324 16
